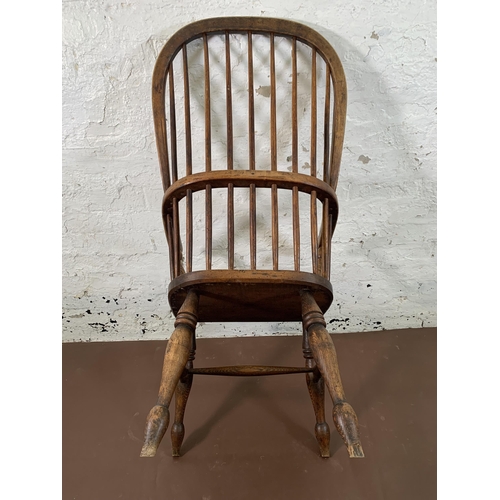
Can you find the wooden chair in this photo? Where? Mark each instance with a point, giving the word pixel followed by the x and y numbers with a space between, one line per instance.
pixel 302 111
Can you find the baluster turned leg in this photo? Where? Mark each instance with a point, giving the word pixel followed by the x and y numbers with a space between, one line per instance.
pixel 181 397
pixel 176 357
pixel 325 356
pixel 316 387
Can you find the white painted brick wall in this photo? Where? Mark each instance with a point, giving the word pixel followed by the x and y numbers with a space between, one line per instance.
pixel 115 255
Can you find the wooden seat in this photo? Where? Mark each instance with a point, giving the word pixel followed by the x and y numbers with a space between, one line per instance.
pixel 220 150
pixel 249 295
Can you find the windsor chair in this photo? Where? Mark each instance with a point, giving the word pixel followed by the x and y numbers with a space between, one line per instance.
pixel 207 153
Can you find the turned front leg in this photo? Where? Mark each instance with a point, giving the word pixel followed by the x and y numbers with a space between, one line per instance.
pixel 176 357
pixel 181 396
pixel 325 357
pixel 316 388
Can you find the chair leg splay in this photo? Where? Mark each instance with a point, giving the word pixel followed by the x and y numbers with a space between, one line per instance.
pixel 319 353
pixel 176 357
pixel 325 357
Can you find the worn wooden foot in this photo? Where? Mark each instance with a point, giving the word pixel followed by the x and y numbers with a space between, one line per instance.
pixel 156 425
pixel 346 423
pixel 316 387
pixel 181 396
pixel 325 356
pixel 176 357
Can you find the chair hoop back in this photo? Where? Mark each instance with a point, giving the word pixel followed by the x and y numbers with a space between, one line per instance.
pixel 212 123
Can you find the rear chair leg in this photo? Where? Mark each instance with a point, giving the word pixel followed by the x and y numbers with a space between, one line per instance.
pixel 325 356
pixel 181 397
pixel 316 387
pixel 174 362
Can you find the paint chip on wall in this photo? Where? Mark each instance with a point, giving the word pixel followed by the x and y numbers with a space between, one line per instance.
pixel 264 90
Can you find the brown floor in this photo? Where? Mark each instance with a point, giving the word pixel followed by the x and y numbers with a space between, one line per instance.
pixel 252 438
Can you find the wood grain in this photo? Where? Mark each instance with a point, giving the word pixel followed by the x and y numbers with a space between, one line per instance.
pixel 325 357
pixel 249 370
pixel 175 360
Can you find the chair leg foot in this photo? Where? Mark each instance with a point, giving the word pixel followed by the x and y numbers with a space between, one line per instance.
pixel 178 432
pixel 156 425
pixel 325 357
pixel 322 433
pixel 176 357
pixel 346 423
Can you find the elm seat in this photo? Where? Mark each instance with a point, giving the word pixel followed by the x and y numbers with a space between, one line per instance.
pixel 250 111
pixel 249 295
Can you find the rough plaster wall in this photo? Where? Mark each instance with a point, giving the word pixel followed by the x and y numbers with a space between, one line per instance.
pixel 115 257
